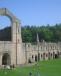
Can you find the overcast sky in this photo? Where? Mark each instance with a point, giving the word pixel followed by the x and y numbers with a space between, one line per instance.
pixel 33 12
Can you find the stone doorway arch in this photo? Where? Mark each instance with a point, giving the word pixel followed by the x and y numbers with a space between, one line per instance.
pixel 6 60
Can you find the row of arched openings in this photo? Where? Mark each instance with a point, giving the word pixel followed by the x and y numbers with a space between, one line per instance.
pixel 44 55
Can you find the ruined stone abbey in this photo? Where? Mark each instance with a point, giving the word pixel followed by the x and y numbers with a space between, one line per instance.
pixel 15 52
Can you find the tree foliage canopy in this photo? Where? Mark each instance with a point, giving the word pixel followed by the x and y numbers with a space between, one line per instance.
pixel 47 33
pixel 29 33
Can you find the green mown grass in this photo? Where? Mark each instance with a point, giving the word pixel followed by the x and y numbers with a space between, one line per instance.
pixel 45 68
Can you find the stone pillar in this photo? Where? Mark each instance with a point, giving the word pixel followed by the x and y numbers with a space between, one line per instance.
pixel 17 54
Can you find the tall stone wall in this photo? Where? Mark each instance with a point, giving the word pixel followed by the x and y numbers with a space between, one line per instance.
pixel 14 47
pixel 42 51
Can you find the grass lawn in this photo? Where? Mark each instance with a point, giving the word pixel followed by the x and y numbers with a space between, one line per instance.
pixel 45 68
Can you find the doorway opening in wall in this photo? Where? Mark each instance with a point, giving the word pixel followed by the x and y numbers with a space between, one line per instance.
pixel 43 56
pixel 56 56
pixel 5 28
pixel 29 60
pixel 6 60
pixel 36 58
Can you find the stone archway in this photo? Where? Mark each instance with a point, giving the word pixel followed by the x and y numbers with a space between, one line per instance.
pixel 6 60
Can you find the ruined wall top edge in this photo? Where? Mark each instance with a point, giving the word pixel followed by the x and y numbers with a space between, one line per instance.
pixel 6 12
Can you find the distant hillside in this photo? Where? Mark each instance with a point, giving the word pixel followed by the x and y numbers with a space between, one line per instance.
pixel 47 33
pixel 5 34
